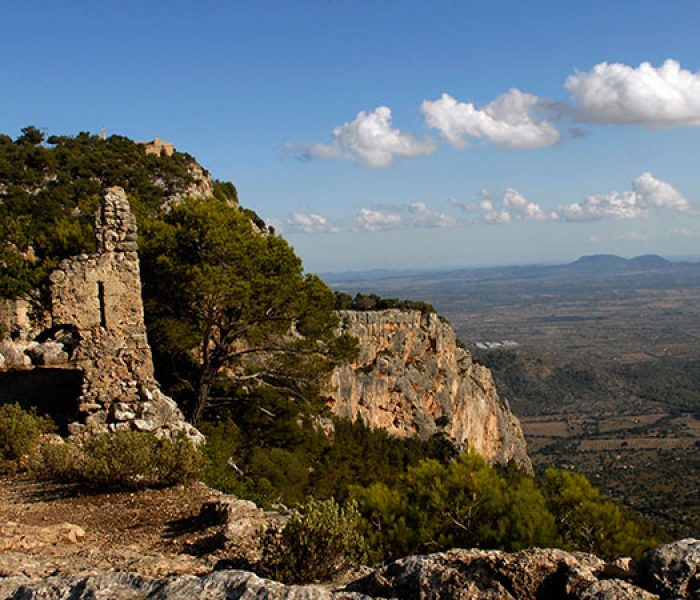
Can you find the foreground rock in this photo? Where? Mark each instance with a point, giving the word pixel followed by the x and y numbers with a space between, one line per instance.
pixel 533 574
pixel 674 570
pixel 411 378
pixel 484 574
pixel 224 585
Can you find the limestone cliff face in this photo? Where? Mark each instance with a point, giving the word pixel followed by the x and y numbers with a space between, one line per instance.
pixel 411 378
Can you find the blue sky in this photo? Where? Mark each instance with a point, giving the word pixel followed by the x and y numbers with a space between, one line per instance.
pixel 585 152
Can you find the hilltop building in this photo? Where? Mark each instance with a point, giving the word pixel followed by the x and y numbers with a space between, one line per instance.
pixel 158 147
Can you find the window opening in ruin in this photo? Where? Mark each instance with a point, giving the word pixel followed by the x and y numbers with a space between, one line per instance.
pixel 52 392
pixel 101 296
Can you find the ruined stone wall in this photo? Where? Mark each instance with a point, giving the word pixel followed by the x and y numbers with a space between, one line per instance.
pixel 97 327
pixel 100 296
pixel 15 317
pixel 411 379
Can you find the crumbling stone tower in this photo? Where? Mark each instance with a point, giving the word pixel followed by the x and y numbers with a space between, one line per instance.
pixel 97 308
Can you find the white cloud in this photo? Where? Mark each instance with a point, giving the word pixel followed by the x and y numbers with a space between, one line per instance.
pixel 653 192
pixel 378 220
pixel 422 216
pixel 370 139
pixel 416 214
pixel 647 193
pixel 308 223
pixel 508 121
pixel 617 93
pixel 594 238
pixel 612 205
pixel 512 206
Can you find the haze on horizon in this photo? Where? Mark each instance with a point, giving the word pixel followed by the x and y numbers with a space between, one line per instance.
pixel 395 135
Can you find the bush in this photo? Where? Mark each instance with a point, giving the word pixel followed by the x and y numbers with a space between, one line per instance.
pixel 55 461
pixel 177 461
pixel 320 541
pixel 120 459
pixel 20 432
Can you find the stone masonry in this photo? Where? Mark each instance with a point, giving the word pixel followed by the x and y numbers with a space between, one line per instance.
pixel 97 327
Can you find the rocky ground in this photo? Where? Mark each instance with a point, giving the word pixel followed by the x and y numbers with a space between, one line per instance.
pixel 59 543
pixel 58 529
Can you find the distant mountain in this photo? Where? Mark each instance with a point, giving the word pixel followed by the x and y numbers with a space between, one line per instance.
pixel 600 261
pixel 649 260
pixel 610 262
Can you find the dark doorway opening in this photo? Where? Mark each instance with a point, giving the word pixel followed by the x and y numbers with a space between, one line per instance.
pixel 52 392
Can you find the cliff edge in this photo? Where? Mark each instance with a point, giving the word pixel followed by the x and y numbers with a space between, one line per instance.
pixel 411 378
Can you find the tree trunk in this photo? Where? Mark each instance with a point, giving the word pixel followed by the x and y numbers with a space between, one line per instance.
pixel 202 398
pixel 206 377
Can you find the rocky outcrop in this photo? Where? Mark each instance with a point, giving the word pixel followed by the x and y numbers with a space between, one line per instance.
pixel 532 574
pixel 220 585
pixel 96 326
pixel 674 570
pixel 411 378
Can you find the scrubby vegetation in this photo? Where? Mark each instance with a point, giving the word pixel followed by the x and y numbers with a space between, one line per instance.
pixel 20 434
pixel 345 301
pixel 271 448
pixel 116 459
pixel 119 459
pixel 321 540
pixel 537 385
pixel 466 503
pixel 414 496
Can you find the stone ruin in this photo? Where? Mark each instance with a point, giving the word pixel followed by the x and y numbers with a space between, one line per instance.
pixel 95 331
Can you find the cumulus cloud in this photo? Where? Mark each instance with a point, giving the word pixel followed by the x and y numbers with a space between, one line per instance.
pixel 654 96
pixel 374 220
pixel 509 121
pixel 647 193
pixel 370 139
pixel 611 205
pixel 422 216
pixel 512 206
pixel 308 223
pixel 654 192
pixel 416 214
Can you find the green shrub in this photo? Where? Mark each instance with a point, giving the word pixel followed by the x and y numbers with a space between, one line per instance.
pixel 177 461
pixel 20 432
pixel 57 462
pixel 592 523
pixel 321 540
pixel 120 459
pixel 468 503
